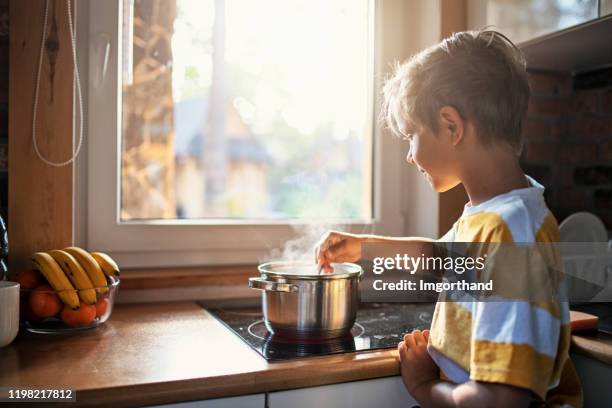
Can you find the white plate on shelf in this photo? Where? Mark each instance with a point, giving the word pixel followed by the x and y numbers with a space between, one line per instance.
pixel 583 227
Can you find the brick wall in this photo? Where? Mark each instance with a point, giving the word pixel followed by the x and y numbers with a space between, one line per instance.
pixel 4 88
pixel 568 141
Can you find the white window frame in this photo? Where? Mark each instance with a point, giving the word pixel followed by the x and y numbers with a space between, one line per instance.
pixel 187 243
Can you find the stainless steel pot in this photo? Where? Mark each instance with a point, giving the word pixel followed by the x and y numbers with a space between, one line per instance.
pixel 297 303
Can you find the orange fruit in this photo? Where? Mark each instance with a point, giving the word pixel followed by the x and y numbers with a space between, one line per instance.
pixel 82 316
pixel 25 311
pixel 101 306
pixel 44 302
pixel 29 279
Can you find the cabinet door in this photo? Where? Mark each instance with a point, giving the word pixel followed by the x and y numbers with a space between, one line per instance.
pixel 381 392
pixel 523 20
pixel 595 378
pixel 245 401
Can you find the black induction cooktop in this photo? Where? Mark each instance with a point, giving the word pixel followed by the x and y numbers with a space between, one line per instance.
pixel 378 326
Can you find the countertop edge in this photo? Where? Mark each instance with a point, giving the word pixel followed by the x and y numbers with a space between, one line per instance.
pixel 597 345
pixel 383 364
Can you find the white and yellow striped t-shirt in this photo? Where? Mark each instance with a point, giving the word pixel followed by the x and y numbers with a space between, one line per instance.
pixel 515 342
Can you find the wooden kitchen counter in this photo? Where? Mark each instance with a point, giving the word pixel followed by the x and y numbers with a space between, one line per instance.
pixel 169 352
pixel 597 345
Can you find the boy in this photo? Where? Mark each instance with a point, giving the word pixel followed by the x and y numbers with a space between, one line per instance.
pixel 460 104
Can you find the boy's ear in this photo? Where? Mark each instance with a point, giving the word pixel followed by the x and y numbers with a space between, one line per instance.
pixel 452 123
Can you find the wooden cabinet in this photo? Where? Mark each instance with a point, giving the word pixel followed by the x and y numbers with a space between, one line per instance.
pixel 244 401
pixel 524 20
pixel 595 378
pixel 386 392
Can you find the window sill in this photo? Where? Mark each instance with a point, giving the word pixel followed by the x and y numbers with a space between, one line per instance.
pixel 214 284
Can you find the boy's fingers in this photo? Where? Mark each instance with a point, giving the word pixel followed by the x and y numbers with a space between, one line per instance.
pixel 426 335
pixel 418 337
pixel 409 340
pixel 320 257
pixel 332 255
pixel 335 251
pixel 322 263
pixel 321 246
pixel 401 348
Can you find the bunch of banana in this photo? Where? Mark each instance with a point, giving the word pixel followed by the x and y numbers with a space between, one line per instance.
pixel 76 274
pixel 56 278
pixel 91 266
pixel 108 265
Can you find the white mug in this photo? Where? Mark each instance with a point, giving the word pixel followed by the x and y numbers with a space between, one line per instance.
pixel 9 312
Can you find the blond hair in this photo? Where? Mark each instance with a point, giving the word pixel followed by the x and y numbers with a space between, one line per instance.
pixel 479 73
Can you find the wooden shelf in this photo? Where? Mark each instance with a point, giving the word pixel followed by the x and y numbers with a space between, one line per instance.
pixel 576 49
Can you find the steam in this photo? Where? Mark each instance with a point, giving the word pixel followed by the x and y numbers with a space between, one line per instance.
pixel 301 248
pixel 306 236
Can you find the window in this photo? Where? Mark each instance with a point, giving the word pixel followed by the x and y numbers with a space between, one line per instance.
pixel 215 126
pixel 524 20
pixel 246 109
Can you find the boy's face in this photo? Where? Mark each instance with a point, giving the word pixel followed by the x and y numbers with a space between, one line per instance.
pixel 433 153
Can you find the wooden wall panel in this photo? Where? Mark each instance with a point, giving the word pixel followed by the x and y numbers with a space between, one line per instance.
pixel 40 196
pixel 453 16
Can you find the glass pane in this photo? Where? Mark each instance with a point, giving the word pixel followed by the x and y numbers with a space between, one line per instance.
pixel 246 109
pixel 523 20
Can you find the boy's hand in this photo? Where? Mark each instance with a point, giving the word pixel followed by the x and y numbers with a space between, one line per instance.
pixel 417 367
pixel 422 380
pixel 337 246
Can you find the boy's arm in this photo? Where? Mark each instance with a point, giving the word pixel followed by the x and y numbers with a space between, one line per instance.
pixel 421 378
pixel 438 393
pixel 337 246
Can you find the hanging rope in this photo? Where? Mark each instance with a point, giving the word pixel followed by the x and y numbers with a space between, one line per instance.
pixel 37 87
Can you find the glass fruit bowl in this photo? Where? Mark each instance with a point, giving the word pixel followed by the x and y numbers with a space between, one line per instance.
pixel 45 310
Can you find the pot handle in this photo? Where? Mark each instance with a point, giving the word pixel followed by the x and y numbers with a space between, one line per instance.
pixel 263 284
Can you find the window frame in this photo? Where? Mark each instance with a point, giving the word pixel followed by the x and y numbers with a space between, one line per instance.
pixel 180 243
